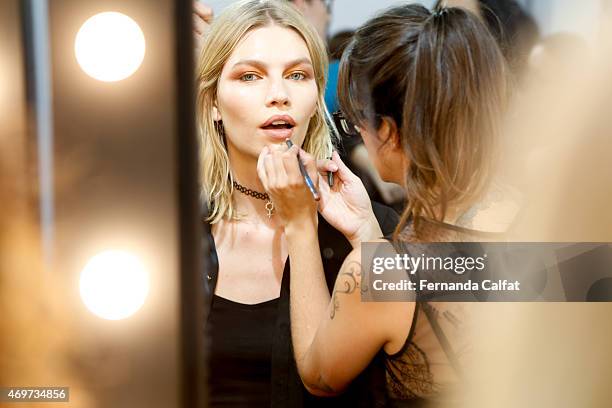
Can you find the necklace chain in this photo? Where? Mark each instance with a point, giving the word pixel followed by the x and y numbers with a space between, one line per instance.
pixel 252 193
pixel 256 194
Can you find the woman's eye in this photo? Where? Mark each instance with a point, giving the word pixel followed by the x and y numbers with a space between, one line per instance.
pixel 297 76
pixel 248 77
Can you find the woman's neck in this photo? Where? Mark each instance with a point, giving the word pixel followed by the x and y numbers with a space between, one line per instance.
pixel 244 172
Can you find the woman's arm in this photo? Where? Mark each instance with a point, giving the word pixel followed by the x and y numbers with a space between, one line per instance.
pixel 309 295
pixel 335 339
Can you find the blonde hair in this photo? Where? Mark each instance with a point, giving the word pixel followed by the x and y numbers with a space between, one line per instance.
pixel 224 35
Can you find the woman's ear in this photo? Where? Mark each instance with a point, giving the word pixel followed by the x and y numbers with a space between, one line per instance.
pixel 216 114
pixel 388 132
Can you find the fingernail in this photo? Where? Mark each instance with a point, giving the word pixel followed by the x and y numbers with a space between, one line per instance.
pixel 333 167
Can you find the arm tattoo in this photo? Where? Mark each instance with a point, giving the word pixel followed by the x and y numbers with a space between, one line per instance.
pixel 346 284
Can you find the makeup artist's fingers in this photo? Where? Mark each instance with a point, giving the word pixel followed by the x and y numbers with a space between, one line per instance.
pixel 343 171
pixel 261 169
pixel 325 166
pixel 310 164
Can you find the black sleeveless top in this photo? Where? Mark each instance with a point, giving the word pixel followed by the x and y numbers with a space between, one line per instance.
pixel 240 366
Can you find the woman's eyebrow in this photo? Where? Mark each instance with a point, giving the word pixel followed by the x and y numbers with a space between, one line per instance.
pixel 262 65
pixel 299 61
pixel 253 63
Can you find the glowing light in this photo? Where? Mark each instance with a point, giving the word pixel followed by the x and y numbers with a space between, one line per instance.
pixel 109 46
pixel 114 285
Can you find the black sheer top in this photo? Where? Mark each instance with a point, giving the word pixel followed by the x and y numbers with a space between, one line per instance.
pixel 428 369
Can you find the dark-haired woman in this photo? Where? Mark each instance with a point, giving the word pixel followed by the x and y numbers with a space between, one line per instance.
pixel 426 91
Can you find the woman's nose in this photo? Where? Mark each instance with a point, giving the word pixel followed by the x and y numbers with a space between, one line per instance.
pixel 277 93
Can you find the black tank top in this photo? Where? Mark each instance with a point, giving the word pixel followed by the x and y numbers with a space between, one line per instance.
pixel 240 352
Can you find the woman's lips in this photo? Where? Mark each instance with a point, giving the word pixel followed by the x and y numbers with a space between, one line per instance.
pixel 279 127
pixel 278 133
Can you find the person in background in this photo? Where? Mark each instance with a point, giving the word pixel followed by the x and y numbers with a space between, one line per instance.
pixel 336 46
pixel 514 29
pixel 338 43
pixel 317 13
pixel 554 49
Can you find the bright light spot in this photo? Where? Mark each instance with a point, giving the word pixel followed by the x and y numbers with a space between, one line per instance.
pixel 109 46
pixel 114 285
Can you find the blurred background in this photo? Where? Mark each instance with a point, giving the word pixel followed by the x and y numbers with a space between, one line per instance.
pixel 552 15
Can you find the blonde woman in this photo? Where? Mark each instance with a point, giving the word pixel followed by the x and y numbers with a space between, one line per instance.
pixel 261 79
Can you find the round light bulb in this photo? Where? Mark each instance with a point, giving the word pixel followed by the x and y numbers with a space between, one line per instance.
pixel 114 285
pixel 109 46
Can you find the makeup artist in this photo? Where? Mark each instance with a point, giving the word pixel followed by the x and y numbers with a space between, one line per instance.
pixel 427 91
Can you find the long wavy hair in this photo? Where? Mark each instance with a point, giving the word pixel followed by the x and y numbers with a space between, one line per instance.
pixel 443 80
pixel 224 35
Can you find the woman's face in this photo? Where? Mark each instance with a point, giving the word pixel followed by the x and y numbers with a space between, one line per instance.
pixel 384 152
pixel 267 91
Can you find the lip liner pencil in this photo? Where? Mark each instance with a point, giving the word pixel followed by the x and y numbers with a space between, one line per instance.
pixel 307 178
pixel 334 130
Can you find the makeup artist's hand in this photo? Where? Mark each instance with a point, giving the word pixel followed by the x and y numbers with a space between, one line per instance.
pixel 202 18
pixel 279 172
pixel 346 205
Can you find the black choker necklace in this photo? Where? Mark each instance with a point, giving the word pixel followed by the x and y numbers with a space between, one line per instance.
pixel 257 195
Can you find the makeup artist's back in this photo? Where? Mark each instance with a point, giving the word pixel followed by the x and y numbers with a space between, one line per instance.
pixel 285 388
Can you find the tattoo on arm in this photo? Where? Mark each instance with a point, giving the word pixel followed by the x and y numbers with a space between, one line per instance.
pixel 345 284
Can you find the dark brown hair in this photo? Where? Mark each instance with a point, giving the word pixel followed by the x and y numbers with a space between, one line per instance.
pixel 442 78
pixel 514 29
